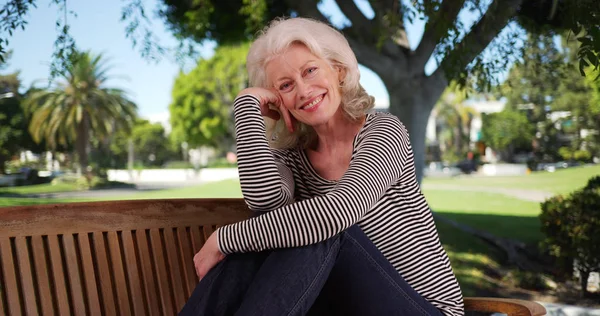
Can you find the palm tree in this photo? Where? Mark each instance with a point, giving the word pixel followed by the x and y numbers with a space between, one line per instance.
pixel 457 118
pixel 70 111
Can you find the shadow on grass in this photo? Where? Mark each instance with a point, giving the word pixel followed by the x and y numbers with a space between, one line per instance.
pixel 522 228
pixel 480 267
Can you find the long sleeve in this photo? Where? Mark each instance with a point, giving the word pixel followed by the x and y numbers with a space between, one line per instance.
pixel 266 182
pixel 381 154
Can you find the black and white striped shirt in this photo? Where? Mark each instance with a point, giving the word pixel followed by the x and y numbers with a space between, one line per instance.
pixel 379 192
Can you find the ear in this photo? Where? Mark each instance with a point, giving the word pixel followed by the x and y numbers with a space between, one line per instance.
pixel 341 71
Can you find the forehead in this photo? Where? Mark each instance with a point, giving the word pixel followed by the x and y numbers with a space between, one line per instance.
pixel 289 62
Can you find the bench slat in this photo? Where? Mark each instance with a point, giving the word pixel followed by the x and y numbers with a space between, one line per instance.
pixel 175 269
pixel 150 287
pixel 72 259
pixel 187 259
pixel 106 286
pixel 116 265
pixel 2 304
pixel 58 276
pixel 208 230
pixel 26 276
pixel 197 238
pixel 161 272
pixel 133 274
pixel 10 279
pixel 89 274
pixel 41 271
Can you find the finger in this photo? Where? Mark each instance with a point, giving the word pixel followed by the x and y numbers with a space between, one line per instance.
pixel 287 118
pixel 197 271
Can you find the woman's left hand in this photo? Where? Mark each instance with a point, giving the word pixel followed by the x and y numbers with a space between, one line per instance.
pixel 208 257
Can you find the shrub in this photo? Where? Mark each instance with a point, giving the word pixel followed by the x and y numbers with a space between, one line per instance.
pixel 593 183
pixel 572 229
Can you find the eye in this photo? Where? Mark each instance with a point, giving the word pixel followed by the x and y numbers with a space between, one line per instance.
pixel 311 70
pixel 285 86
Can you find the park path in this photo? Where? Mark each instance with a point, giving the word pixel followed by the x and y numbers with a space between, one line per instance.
pixel 527 195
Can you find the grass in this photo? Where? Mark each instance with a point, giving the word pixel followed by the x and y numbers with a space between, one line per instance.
pixel 560 182
pixel 17 201
pixel 474 263
pixel 39 189
pixel 496 213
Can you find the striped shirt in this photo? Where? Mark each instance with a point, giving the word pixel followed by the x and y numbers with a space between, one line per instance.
pixel 379 192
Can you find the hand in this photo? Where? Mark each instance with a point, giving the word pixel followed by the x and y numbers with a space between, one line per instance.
pixel 269 99
pixel 208 257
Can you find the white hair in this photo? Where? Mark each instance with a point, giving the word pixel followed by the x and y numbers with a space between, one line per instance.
pixel 324 42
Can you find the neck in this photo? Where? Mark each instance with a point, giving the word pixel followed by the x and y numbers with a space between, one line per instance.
pixel 338 132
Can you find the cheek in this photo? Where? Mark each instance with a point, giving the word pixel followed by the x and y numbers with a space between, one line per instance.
pixel 288 101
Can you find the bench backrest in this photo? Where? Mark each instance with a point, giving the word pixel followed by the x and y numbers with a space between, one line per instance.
pixel 105 258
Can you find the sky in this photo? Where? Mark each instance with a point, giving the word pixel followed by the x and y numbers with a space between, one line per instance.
pixel 97 28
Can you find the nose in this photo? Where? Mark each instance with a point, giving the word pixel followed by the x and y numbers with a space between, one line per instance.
pixel 304 90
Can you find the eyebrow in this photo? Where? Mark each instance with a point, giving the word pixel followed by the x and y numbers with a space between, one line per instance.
pixel 301 67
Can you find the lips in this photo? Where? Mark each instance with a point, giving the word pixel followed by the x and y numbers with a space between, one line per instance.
pixel 313 104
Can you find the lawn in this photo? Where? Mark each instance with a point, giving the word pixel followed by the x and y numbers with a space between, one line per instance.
pixel 39 189
pixel 496 213
pixel 561 182
pixel 17 201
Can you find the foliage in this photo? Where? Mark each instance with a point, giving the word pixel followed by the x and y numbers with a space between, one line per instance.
pixel 80 106
pixel 151 146
pixel 13 128
pixel 572 229
pixel 578 18
pixel 380 41
pixel 457 117
pixel 507 130
pixel 577 155
pixel 201 111
pixel 593 183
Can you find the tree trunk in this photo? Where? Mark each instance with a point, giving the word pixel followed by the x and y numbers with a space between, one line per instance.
pixel 583 279
pixel 2 162
pixel 412 100
pixel 82 144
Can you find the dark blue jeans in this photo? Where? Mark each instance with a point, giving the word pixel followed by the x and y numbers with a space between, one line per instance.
pixel 344 275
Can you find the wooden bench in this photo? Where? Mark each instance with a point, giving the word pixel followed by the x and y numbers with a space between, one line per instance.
pixel 122 258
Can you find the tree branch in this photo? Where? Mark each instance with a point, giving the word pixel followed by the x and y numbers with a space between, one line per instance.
pixel 382 7
pixel 435 29
pixel 360 24
pixel 308 9
pixel 481 35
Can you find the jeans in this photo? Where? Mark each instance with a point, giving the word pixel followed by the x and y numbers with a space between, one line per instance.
pixel 344 275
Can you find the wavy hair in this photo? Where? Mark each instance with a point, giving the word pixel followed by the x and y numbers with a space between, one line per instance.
pixel 324 42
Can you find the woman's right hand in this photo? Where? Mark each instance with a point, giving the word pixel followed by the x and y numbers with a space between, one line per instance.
pixel 269 99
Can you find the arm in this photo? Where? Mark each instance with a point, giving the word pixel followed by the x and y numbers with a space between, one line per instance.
pixel 378 163
pixel 266 181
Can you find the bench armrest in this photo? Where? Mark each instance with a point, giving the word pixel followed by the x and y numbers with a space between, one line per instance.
pixel 511 307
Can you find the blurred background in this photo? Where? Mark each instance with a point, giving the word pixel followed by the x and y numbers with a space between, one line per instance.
pixel 131 99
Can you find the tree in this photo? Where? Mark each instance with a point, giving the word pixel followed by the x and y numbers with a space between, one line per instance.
pixel 532 86
pixel 151 146
pixel 506 131
pixel 70 110
pixel 576 95
pixel 201 111
pixel 458 118
pixel 379 39
pixel 12 118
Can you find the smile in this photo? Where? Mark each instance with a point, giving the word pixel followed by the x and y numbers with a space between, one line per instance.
pixel 313 105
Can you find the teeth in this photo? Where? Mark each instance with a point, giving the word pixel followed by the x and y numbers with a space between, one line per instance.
pixel 313 103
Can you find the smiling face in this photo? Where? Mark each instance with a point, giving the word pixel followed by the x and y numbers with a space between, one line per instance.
pixel 307 84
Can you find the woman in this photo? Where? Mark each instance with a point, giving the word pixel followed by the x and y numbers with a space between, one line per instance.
pixel 343 227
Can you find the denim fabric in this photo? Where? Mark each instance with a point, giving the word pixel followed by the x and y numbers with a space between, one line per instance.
pixel 344 275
